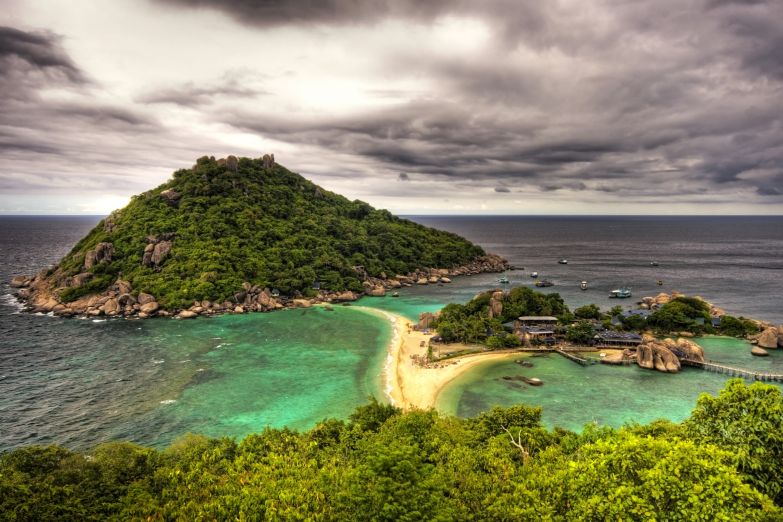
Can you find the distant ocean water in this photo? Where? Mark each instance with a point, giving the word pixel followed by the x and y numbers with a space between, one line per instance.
pixel 80 382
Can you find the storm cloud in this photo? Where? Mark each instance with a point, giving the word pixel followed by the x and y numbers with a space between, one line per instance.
pixel 564 106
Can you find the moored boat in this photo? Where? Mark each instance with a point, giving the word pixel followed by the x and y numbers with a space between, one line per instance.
pixel 653 263
pixel 533 274
pixel 620 293
pixel 583 285
pixel 503 280
pixel 563 262
pixel 544 282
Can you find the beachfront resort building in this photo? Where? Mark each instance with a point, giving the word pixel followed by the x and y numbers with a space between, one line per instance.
pixel 610 339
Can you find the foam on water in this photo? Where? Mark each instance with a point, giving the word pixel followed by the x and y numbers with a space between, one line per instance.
pixel 11 301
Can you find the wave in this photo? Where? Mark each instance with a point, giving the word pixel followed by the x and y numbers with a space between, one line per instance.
pixel 10 300
pixel 158 361
pixel 168 401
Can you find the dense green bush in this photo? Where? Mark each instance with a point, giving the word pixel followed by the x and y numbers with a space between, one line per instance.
pixel 470 322
pixel 722 464
pixel 737 327
pixel 681 314
pixel 267 226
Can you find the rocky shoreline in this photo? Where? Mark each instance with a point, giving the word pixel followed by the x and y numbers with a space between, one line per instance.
pixel 122 300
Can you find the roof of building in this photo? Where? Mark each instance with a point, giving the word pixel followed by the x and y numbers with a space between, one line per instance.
pixel 640 312
pixel 619 336
pixel 538 318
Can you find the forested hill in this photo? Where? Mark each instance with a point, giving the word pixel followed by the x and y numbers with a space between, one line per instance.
pixel 228 222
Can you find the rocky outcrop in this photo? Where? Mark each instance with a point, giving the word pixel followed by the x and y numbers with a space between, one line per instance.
pixel 685 349
pixel 496 304
pixel 157 249
pixel 768 338
pixel 20 281
pixel 425 320
pixel 102 252
pixel 619 358
pixel 268 160
pixel 346 296
pixel 759 352
pixel 171 197
pixel 655 355
pixel 187 314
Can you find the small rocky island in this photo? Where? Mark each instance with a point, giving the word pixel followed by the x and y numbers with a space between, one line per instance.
pixel 235 235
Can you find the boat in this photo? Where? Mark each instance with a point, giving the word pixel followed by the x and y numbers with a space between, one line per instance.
pixel 503 280
pixel 563 262
pixel 653 263
pixel 620 293
pixel 544 282
pixel 533 381
pixel 583 285
pixel 395 294
pixel 533 274
pixel 660 283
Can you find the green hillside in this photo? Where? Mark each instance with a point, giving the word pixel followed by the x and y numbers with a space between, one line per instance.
pixel 225 222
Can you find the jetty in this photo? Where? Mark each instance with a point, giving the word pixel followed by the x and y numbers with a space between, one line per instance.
pixel 573 357
pixel 733 371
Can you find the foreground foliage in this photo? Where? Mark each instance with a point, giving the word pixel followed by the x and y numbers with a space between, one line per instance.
pixel 385 465
pixel 260 224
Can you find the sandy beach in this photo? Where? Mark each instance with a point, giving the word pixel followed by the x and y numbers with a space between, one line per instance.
pixel 411 386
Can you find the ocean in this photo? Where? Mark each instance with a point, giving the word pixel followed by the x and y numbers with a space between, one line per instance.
pixel 80 382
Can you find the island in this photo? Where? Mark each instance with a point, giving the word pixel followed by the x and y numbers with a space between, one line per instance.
pixel 234 235
pixel 425 357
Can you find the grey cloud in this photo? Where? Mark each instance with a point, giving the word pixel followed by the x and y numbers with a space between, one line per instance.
pixel 265 13
pixel 403 177
pixel 502 189
pixel 41 50
pixel 192 95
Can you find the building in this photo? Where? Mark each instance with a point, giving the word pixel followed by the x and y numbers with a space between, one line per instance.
pixel 610 339
pixel 537 320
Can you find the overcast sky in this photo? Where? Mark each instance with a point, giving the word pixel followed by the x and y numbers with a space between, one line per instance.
pixel 436 107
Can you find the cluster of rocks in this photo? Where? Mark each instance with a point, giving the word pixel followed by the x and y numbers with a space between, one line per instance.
pixel 770 338
pixel 120 300
pixel 661 355
pixel 653 303
pixel 157 249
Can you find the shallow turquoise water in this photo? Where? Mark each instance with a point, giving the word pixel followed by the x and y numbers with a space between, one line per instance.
pixel 573 395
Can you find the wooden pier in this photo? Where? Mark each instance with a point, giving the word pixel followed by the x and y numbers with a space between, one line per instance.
pixel 573 357
pixel 734 371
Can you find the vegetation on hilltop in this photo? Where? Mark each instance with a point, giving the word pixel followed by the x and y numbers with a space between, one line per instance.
pixel 723 463
pixel 247 221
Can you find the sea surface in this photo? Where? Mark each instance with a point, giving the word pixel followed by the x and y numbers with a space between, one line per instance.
pixel 80 382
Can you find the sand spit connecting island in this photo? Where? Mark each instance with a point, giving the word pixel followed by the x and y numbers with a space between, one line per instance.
pixel 410 385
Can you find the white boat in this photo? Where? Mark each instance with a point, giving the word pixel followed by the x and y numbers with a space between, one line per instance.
pixel 534 274
pixel 583 285
pixel 563 261
pixel 620 293
pixel 503 280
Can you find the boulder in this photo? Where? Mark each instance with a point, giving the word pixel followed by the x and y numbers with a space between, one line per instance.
pixel 143 298
pixel 657 356
pixel 239 309
pixel 433 279
pixel 187 314
pixel 422 281
pixel 759 352
pixel 496 304
pixel 346 296
pixel 149 308
pixel 394 283
pixel 78 280
pixel 111 307
pixel 123 287
pixel 686 349
pixel 126 300
pixel 302 303
pixel 445 280
pixel 171 196
pixel 19 281
pixel 268 160
pixel 769 338
pixel 377 291
pixel 780 336
pixel 160 252
pixel 102 252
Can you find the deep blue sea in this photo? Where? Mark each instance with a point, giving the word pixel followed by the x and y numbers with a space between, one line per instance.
pixel 80 382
